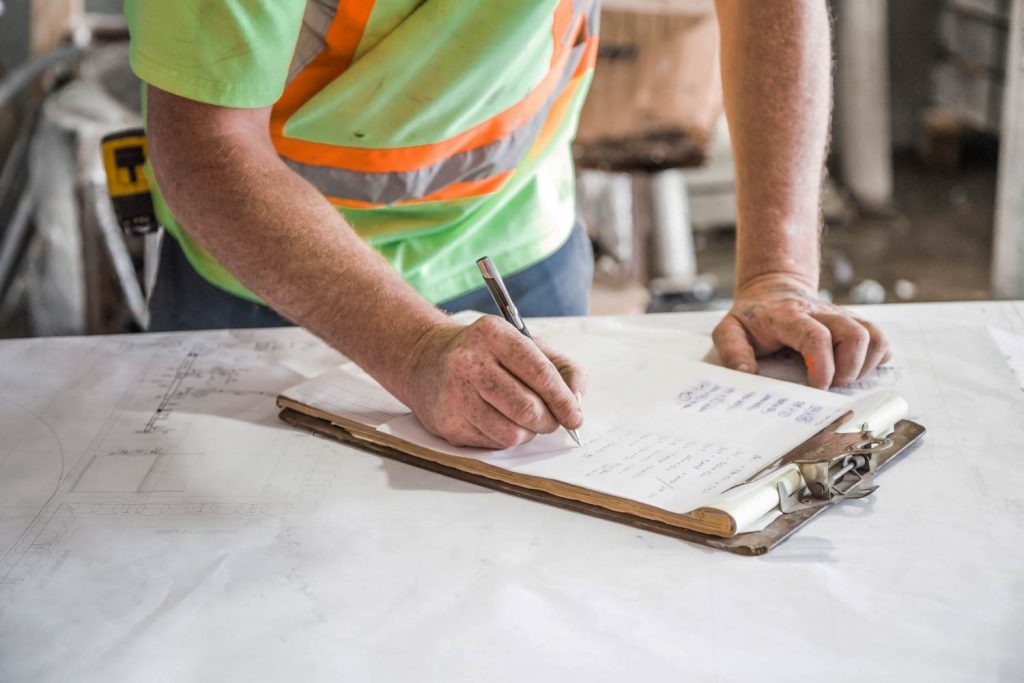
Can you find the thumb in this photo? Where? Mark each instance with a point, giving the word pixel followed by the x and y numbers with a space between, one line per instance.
pixel 733 345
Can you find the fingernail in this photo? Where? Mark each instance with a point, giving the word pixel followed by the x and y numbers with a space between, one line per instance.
pixel 743 367
pixel 579 397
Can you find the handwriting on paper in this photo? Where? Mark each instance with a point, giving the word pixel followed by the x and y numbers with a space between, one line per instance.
pixel 655 466
pixel 706 396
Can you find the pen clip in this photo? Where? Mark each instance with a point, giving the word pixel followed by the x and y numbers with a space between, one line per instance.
pixel 502 299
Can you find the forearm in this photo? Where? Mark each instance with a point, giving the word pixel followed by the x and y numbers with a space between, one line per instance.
pixel 776 65
pixel 288 245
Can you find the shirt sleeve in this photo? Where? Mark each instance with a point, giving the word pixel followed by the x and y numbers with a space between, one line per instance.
pixel 231 53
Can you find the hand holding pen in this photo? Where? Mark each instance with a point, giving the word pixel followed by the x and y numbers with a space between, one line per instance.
pixel 508 310
pixel 486 384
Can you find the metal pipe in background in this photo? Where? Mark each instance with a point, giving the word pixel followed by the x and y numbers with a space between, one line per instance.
pixel 117 250
pixel 14 170
pixel 864 130
pixel 13 175
pixel 22 76
pixel 15 227
pixel 1008 241
pixel 15 238
pixel 674 256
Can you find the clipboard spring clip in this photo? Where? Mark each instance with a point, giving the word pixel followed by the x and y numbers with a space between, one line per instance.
pixel 828 479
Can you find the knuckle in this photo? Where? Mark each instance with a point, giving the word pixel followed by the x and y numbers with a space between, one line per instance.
pixel 488 326
pixel 858 336
pixel 875 349
pixel 564 404
pixel 817 336
pixel 509 436
pixel 869 326
pixel 548 377
pixel 547 427
pixel 529 412
pixel 523 436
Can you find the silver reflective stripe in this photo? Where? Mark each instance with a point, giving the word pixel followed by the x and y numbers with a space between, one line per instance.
pixel 475 164
pixel 316 21
pixel 593 17
pixel 592 9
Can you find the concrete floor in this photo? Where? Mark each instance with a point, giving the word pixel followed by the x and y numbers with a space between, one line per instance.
pixel 940 238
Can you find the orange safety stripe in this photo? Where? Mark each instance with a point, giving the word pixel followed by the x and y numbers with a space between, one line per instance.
pixel 340 43
pixel 480 187
pixel 410 158
pixel 589 60
pixel 461 190
pixel 558 110
pixel 561 25
pixel 476 188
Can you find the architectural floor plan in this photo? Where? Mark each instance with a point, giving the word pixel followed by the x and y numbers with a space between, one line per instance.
pixel 159 522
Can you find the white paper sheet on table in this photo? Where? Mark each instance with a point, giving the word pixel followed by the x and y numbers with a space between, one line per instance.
pixel 210 541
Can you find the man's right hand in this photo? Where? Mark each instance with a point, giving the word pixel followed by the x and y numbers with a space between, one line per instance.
pixel 487 385
pixel 481 385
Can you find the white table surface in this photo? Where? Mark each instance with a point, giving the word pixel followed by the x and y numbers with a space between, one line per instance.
pixel 158 522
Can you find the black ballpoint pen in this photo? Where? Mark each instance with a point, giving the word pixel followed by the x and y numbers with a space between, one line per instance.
pixel 492 278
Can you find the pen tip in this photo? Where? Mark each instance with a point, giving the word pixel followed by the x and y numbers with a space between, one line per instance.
pixel 575 436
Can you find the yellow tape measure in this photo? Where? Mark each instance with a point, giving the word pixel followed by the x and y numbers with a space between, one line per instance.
pixel 124 156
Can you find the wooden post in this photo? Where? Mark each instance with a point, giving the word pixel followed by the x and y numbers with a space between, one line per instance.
pixel 864 130
pixel 1008 244
pixel 52 21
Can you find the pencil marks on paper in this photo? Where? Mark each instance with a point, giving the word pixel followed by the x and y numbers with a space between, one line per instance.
pixel 173 427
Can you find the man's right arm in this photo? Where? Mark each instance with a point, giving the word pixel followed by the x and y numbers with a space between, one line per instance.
pixel 483 385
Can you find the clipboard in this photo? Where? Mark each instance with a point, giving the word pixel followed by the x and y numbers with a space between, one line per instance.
pixel 838 463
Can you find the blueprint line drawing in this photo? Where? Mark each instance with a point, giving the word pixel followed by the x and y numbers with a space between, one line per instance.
pixel 155 444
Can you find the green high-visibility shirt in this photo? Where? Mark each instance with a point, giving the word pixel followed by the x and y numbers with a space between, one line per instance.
pixel 440 129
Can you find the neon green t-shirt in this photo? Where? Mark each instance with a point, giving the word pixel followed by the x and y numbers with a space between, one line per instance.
pixel 442 134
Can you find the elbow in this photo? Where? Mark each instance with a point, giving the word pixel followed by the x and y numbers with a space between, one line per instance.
pixel 195 148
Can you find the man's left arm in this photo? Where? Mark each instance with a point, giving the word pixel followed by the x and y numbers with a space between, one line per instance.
pixel 776 73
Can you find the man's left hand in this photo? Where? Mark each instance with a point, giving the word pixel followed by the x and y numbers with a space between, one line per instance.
pixel 775 311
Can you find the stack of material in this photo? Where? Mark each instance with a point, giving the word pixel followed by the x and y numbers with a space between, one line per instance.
pixel 657 92
pixel 967 80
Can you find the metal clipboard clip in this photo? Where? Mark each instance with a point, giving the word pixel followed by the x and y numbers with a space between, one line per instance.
pixel 845 468
pixel 846 476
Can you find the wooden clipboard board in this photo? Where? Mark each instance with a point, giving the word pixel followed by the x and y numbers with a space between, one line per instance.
pixel 906 433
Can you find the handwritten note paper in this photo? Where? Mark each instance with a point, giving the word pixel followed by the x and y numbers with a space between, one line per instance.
pixel 705 396
pixel 659 429
pixel 659 467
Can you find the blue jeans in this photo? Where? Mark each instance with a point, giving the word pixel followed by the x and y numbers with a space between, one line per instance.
pixel 558 285
pixel 183 300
